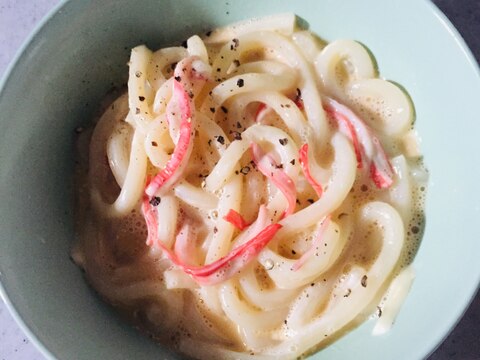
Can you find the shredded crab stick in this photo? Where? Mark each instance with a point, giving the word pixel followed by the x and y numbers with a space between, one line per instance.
pixel 269 168
pixel 236 219
pixel 315 244
pixel 175 166
pixel 304 163
pixel 346 128
pixel 185 244
pixel 262 110
pixel 220 270
pixel 367 146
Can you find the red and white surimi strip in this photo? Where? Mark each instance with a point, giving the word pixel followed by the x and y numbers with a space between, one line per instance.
pixel 185 244
pixel 269 168
pixel 236 219
pixel 304 162
pixel 367 147
pixel 173 170
pixel 262 111
pixel 220 270
pixel 315 244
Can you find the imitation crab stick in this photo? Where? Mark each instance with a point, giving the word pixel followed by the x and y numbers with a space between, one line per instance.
pixel 183 148
pixel 220 270
pixel 303 159
pixel 269 168
pixel 236 219
pixel 367 147
pixel 315 244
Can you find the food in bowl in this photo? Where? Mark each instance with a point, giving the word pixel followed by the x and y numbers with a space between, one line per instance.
pixel 256 191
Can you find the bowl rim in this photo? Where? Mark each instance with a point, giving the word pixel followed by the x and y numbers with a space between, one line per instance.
pixel 3 82
pixel 456 315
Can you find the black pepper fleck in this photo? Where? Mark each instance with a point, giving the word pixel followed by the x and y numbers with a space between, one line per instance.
pixel 240 82
pixel 283 141
pixel 141 98
pixel 220 139
pixel 224 109
pixel 298 95
pixel 364 280
pixel 155 201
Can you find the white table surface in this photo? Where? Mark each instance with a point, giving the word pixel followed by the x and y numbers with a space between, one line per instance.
pixel 17 20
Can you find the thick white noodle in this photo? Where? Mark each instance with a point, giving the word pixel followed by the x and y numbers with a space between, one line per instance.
pixel 349 54
pixel 118 148
pixel 394 298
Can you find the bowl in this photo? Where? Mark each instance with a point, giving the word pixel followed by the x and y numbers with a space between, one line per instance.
pixel 78 55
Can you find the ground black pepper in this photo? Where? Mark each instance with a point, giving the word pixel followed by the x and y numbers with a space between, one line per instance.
pixel 220 139
pixel 283 141
pixel 155 201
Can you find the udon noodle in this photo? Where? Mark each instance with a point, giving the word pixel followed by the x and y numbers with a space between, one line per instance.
pixel 254 193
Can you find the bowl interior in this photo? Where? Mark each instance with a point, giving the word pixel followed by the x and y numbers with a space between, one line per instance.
pixel 80 54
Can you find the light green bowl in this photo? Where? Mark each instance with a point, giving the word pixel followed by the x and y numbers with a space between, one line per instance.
pixel 80 53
